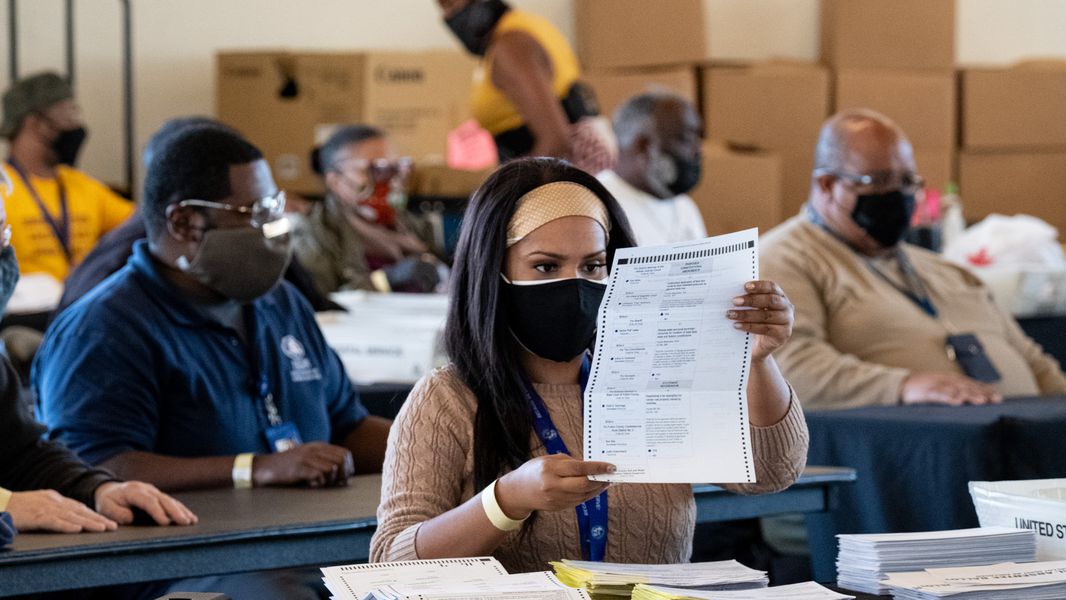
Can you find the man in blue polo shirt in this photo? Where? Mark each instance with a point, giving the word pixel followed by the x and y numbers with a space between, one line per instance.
pixel 192 367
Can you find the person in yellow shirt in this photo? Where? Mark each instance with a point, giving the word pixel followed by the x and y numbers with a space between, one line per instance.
pixel 527 91
pixel 56 212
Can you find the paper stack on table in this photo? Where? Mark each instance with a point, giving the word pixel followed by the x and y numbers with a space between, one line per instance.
pixel 1008 581
pixel 797 591
pixel 444 579
pixel 612 580
pixel 864 560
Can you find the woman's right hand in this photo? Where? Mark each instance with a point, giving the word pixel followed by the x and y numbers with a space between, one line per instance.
pixel 553 482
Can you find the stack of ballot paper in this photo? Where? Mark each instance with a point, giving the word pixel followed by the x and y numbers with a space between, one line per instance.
pixel 444 579
pixel 864 560
pixel 797 591
pixel 1008 581
pixel 611 580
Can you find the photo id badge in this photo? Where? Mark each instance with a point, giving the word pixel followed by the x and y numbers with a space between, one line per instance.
pixel 283 437
pixel 966 350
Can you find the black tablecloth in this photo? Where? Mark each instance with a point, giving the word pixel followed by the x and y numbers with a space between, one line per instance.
pixel 1049 332
pixel 914 462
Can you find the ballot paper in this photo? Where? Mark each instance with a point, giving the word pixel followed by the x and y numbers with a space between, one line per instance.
pixel 666 400
pixel 612 580
pixel 1006 581
pixel 864 559
pixel 796 591
pixel 356 582
pixel 525 586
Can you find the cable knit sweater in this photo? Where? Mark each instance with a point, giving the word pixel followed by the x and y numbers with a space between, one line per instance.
pixel 429 470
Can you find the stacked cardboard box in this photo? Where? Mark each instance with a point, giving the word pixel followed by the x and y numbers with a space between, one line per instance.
pixel 740 189
pixel 628 47
pixel 898 58
pixel 774 106
pixel 613 87
pixel 287 102
pixel 1014 141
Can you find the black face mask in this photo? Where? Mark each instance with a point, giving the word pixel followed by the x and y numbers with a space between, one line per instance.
pixel 68 144
pixel 670 176
pixel 555 320
pixel 886 217
pixel 473 24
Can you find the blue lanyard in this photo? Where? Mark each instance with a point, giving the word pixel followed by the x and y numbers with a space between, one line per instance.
pixel 61 228
pixel 591 514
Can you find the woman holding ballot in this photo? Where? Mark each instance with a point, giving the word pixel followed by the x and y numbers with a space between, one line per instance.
pixel 484 457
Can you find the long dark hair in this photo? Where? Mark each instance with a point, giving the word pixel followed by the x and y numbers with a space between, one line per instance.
pixel 479 343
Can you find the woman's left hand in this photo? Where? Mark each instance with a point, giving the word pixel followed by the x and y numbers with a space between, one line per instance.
pixel 765 311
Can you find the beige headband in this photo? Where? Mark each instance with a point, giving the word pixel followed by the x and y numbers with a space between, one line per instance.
pixel 552 201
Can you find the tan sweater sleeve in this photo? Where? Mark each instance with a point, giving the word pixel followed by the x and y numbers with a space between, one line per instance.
pixel 1046 370
pixel 823 376
pixel 423 472
pixel 780 453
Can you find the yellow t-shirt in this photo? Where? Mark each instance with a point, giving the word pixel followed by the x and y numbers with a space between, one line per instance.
pixel 94 210
pixel 488 104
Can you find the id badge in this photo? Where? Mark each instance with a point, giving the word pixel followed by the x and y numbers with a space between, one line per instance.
pixel 283 437
pixel 966 350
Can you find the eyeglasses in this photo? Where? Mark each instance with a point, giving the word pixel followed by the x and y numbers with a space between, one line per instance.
pixel 379 170
pixel 264 210
pixel 907 182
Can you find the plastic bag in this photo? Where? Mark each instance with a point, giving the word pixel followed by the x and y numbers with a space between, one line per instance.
pixel 1020 259
pixel 1021 241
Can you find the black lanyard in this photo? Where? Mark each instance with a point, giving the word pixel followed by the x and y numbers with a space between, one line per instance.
pixel 60 228
pixel 918 294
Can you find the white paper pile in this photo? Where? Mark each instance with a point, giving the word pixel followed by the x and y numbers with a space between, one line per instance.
pixel 864 560
pixel 1008 581
pixel 482 578
pixel 615 579
pixel 797 591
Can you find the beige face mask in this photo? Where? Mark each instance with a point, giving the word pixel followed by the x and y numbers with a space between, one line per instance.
pixel 243 263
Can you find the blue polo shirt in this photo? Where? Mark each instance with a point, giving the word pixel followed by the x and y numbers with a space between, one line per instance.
pixel 134 366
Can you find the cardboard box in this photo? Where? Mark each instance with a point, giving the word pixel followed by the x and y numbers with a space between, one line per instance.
pixel 770 105
pixel 1009 183
pixel 613 88
pixel 936 166
pixel 739 189
pixel 778 106
pixel 921 102
pixel 638 33
pixel 1019 107
pixel 797 166
pixel 893 34
pixel 287 102
pixel 431 179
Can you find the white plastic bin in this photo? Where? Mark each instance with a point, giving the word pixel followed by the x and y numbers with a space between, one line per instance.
pixel 1037 504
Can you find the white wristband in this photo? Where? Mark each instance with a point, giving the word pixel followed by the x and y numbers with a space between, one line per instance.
pixel 242 471
pixel 493 511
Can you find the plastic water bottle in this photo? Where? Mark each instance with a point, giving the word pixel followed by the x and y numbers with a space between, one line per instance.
pixel 952 223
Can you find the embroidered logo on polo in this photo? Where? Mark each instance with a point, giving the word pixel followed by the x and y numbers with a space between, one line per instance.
pixel 302 368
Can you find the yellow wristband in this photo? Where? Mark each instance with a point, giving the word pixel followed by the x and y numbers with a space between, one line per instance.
pixel 5 497
pixel 380 281
pixel 493 511
pixel 242 471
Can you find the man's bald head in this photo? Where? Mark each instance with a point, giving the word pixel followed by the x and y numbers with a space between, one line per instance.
pixel 856 139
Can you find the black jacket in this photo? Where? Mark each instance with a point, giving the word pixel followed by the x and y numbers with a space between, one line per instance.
pixel 28 462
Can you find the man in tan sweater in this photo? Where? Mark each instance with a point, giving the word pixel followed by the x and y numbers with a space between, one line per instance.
pixel 873 315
